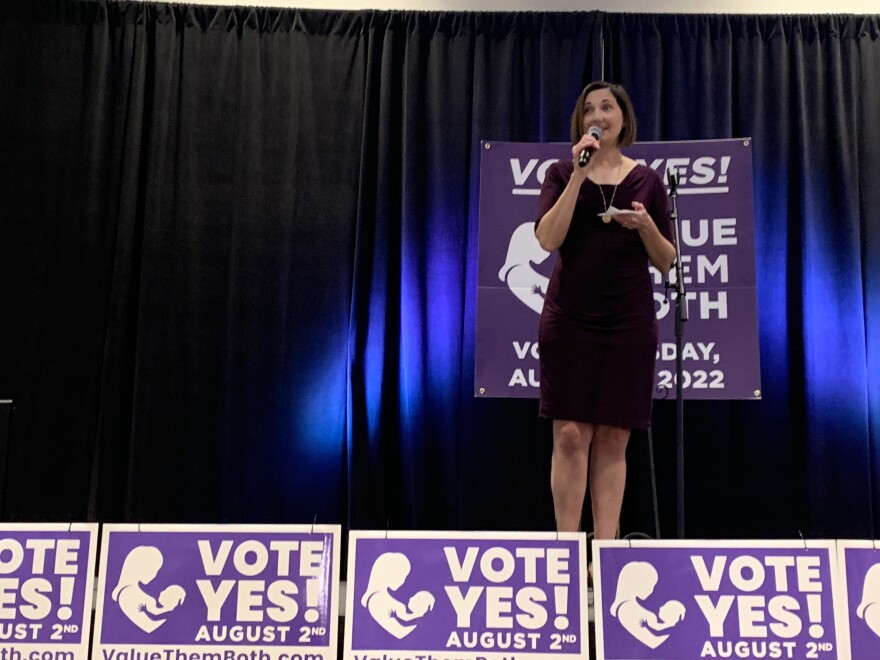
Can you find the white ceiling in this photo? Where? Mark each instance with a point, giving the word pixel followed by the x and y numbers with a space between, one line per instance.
pixel 643 6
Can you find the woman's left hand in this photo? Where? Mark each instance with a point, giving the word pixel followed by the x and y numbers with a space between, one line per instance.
pixel 635 219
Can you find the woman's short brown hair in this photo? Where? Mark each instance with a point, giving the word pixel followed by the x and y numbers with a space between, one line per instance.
pixel 627 133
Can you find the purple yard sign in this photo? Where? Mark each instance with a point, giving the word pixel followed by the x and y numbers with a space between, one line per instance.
pixel 716 208
pixel 858 604
pixel 46 585
pixel 684 600
pixel 212 592
pixel 466 596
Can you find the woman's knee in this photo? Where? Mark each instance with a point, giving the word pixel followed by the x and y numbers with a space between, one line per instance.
pixel 570 438
pixel 611 440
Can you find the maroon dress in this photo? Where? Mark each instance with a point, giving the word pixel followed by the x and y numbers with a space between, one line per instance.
pixel 598 332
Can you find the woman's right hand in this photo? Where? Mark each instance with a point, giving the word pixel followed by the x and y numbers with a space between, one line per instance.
pixel 586 142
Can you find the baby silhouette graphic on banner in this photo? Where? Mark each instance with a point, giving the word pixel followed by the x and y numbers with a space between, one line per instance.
pixel 141 566
pixel 636 582
pixel 388 574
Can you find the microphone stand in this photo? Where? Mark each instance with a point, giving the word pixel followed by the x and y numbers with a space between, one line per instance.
pixel 681 316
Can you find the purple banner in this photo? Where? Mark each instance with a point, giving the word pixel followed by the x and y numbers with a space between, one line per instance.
pixel 715 599
pixel 858 606
pixel 715 204
pixel 217 592
pixel 467 596
pixel 46 585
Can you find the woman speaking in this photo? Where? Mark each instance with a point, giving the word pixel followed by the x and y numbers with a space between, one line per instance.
pixel 608 216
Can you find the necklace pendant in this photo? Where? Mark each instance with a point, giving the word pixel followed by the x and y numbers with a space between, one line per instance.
pixel 606 218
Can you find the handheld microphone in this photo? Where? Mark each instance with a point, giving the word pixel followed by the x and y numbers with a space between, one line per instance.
pixel 584 158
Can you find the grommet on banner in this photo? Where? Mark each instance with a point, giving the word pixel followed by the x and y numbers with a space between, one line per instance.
pixel 314 520
pixel 387 523
pixel 801 534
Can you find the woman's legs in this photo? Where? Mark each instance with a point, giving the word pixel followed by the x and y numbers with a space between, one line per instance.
pixel 568 472
pixel 608 478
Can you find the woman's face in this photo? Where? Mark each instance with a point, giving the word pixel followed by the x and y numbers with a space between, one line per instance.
pixel 601 109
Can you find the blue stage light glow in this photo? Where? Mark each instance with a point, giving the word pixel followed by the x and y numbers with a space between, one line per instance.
pixel 431 303
pixel 374 360
pixel 825 306
pixel 835 360
pixel 318 420
pixel 771 265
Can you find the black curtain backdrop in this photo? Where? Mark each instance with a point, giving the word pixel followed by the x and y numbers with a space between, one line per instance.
pixel 238 259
